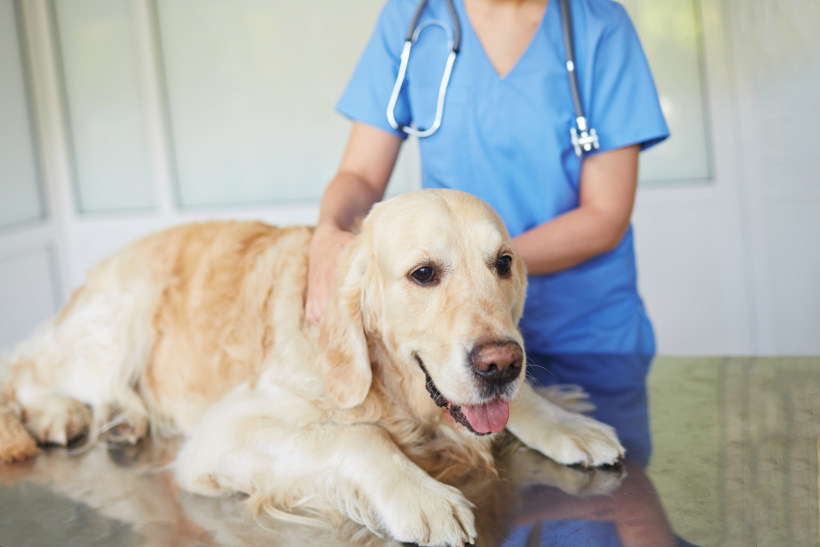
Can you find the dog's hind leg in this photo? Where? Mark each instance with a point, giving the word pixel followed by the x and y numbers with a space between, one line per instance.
pixel 33 406
pixel 79 366
pixel 53 418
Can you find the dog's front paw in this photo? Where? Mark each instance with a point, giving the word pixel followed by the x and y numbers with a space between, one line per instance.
pixel 430 514
pixel 580 440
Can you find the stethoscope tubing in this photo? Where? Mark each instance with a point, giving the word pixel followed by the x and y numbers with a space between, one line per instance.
pixel 456 24
pixel 584 138
pixel 569 48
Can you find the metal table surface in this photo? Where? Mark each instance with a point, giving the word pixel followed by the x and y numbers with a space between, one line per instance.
pixel 731 460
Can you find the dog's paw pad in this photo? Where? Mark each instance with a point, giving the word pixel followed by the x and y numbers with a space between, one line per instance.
pixel 58 420
pixel 123 427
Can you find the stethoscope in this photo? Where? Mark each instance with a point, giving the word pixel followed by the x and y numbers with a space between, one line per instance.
pixel 584 138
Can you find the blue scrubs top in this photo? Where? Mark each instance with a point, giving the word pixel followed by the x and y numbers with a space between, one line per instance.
pixel 507 141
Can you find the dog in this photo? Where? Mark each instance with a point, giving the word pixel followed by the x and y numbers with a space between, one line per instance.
pixel 416 367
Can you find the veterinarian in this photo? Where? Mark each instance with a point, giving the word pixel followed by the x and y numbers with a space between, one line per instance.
pixel 508 133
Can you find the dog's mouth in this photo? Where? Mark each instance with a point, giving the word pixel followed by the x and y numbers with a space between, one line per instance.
pixel 483 419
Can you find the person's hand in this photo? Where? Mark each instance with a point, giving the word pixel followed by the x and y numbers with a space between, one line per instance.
pixel 325 247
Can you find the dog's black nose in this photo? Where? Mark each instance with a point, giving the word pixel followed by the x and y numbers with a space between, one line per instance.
pixel 497 362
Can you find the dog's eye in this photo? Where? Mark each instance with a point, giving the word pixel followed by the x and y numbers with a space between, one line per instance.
pixel 424 275
pixel 503 265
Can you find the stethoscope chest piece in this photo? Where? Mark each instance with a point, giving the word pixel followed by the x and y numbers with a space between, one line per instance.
pixel 586 141
pixel 583 137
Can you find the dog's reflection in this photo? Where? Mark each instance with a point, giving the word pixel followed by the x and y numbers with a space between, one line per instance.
pixel 558 505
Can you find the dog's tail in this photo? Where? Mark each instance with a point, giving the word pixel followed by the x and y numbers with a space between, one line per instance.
pixel 15 442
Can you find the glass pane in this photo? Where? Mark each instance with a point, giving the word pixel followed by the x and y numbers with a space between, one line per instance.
pixel 98 44
pixel 27 291
pixel 252 86
pixel 20 199
pixel 670 34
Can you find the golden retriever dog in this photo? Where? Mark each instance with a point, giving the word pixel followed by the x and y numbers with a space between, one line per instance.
pixel 417 364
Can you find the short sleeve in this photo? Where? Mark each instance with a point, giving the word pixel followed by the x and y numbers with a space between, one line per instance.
pixel 367 94
pixel 624 107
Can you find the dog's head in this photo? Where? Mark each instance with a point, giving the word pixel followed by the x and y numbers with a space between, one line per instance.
pixel 435 276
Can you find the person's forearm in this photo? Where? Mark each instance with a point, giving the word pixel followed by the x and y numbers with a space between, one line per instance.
pixel 606 196
pixel 360 182
pixel 345 199
pixel 568 239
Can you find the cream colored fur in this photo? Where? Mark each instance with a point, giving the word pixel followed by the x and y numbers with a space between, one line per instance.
pixel 199 331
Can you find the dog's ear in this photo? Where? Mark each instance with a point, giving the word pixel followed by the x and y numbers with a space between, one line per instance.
pixel 343 344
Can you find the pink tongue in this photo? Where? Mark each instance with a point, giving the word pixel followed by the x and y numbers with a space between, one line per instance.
pixel 489 417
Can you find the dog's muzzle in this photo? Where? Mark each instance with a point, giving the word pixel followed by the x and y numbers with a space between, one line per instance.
pixel 496 366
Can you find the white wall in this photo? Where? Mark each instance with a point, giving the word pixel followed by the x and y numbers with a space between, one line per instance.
pixel 124 93
pixel 735 267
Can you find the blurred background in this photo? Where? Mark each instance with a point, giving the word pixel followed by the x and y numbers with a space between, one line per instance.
pixel 121 117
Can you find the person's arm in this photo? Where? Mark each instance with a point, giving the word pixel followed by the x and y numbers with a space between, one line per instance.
pixel 607 194
pixel 360 182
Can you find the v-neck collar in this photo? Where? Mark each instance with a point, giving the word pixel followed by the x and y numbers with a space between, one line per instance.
pixel 468 25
